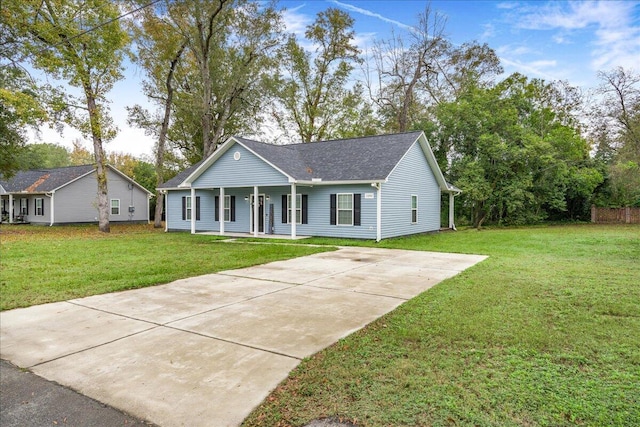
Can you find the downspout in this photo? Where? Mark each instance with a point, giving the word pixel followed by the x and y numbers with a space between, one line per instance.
pixel 52 207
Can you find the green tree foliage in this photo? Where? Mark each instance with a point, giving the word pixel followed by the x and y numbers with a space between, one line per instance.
pixel 616 133
pixel 81 43
pixel 312 92
pixel 45 155
pixel 513 157
pixel 230 52
pixel 20 107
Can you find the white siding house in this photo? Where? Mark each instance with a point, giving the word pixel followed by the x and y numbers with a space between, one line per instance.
pixel 368 188
pixel 69 195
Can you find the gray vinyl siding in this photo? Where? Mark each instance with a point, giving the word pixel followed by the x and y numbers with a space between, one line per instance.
pixel 248 171
pixel 77 202
pixel 31 201
pixel 412 175
pixel 319 213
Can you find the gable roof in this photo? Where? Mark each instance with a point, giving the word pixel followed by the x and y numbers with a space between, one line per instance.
pixel 364 159
pixel 45 180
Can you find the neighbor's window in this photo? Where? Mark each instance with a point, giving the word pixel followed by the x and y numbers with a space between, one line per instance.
pixel 414 209
pixel 298 209
pixel 115 206
pixel 39 207
pixel 345 209
pixel 227 208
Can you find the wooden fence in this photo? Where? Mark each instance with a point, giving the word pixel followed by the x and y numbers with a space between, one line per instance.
pixel 615 215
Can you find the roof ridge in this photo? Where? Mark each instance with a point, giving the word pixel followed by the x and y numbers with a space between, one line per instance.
pixel 357 137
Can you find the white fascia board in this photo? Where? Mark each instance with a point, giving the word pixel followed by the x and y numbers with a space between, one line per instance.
pixel 208 162
pixel 76 179
pixel 291 179
pixel 433 162
pixel 128 178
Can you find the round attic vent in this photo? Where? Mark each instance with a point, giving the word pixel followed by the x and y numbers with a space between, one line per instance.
pixel 236 155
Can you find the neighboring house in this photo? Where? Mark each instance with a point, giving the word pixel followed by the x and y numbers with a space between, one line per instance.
pixel 370 188
pixel 69 195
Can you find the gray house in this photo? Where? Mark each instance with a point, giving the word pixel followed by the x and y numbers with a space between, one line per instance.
pixel 369 188
pixel 69 195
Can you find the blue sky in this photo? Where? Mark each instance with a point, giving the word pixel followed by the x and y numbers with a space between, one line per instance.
pixel 568 40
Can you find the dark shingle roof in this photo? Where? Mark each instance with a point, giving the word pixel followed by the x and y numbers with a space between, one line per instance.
pixel 355 159
pixel 177 180
pixel 43 180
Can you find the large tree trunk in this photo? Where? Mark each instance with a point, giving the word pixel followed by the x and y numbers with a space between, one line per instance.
pixel 157 218
pixel 101 170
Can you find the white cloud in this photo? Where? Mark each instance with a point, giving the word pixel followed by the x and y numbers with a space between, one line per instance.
pixel 296 22
pixel 613 25
pixel 489 31
pixel 366 12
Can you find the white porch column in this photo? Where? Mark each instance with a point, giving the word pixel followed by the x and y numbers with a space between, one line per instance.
pixel 294 217
pixel 53 209
pixel 256 211
pixel 193 211
pixel 10 208
pixel 166 211
pixel 451 211
pixel 221 210
pixel 379 213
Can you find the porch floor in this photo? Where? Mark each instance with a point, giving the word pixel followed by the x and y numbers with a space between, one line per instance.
pixel 260 236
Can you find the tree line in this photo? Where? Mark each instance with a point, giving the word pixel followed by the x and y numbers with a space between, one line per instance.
pixel 522 150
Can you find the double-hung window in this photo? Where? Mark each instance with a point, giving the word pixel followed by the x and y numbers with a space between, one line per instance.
pixel 227 208
pixel 39 207
pixel 115 206
pixel 414 209
pixel 24 206
pixel 298 209
pixel 188 208
pixel 345 209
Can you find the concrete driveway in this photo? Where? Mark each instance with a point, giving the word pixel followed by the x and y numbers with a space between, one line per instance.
pixel 207 350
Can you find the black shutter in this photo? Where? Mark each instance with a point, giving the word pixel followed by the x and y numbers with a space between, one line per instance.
pixel 334 209
pixel 184 208
pixel 284 209
pixel 356 209
pixel 232 203
pixel 305 198
pixel 27 206
pixel 197 208
pixel 216 203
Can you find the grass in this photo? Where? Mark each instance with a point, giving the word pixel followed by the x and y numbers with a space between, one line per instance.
pixel 47 264
pixel 546 332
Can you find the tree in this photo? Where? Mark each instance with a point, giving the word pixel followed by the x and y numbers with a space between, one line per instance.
pixel 82 43
pixel 229 53
pixel 312 93
pixel 20 107
pixel 45 155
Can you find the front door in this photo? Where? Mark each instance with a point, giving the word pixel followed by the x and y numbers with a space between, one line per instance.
pixel 261 213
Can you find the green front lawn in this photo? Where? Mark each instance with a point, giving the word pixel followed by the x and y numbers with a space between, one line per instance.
pixel 46 264
pixel 544 332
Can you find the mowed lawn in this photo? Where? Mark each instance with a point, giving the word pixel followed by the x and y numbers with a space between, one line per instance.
pixel 46 264
pixel 545 332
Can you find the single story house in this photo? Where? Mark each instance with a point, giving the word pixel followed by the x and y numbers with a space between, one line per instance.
pixel 370 188
pixel 69 195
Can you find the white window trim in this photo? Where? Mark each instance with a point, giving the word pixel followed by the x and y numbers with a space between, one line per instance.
pixel 111 206
pixel 414 209
pixel 41 207
pixel 338 209
pixel 298 208
pixel 23 206
pixel 226 211
pixel 187 208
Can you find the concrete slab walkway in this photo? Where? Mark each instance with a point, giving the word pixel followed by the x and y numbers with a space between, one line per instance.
pixel 207 350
